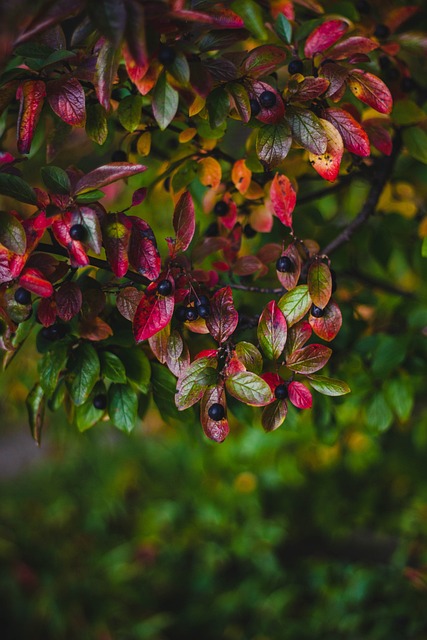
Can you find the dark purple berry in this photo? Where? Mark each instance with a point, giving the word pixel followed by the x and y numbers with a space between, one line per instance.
pixel 202 300
pixel 54 332
pixel 248 231
pixel 255 107
pixel 22 296
pixel 181 314
pixel 221 209
pixel 284 264
pixel 216 411
pixel 166 54
pixel 381 31
pixel 295 66
pixel 165 287
pixel 119 156
pixel 191 314
pixel 267 99
pixel 203 310
pixel 77 232
pixel 100 401
pixel 317 312
pixel 281 392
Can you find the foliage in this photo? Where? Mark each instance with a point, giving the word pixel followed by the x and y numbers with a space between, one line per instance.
pixel 228 109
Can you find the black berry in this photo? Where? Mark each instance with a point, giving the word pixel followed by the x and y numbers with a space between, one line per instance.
pixel 281 392
pixel 203 310
pixel 54 332
pixel 181 314
pixel 267 99
pixel 216 412
pixel 295 66
pixel 317 312
pixel 166 55
pixel 284 264
pixel 381 31
pixel 248 231
pixel 221 209
pixel 212 231
pixel 407 85
pixel 191 314
pixel 77 232
pixel 119 156
pixel 22 296
pixel 363 6
pixel 100 401
pixel 202 300
pixel 165 287
pixel 255 107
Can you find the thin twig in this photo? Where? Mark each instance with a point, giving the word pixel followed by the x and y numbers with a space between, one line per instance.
pixel 322 193
pixel 254 289
pixel 377 283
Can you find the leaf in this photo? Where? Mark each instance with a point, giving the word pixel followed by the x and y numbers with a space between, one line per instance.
pixel 299 395
pixel 241 176
pixel 406 112
pixel 263 60
pixel 164 386
pixel 306 89
pixel 122 406
pixel 249 388
pixel 15 187
pixel 192 384
pixel 35 404
pixel 309 359
pixel 328 163
pixel 274 415
pixel 87 415
pixel 295 304
pixel 180 69
pixel 249 356
pixel 328 326
pixel 352 133
pixel 12 234
pixel 51 365
pixel 32 280
pixel 137 367
pixel 240 97
pixel 90 197
pixel 283 199
pixel 223 317
pixel 112 367
pixel 165 102
pixel 143 253
pixel 307 129
pixel 31 94
pixel 272 331
pixel 68 300
pixel 86 369
pixel 56 180
pixel 67 100
pixel 354 45
pixel 283 28
pixel 177 354
pixel 273 143
pixel 379 137
pixel 129 112
pixel 107 174
pixel 379 416
pixel 246 265
pixel 159 343
pixel 209 172
pixel 96 123
pixel 218 106
pixel 116 230
pixel 153 313
pixel 88 217
pixel 252 16
pixel 324 36
pixel 319 281
pixel 415 140
pixel 110 18
pixel 400 396
pixel 289 279
pixel 106 67
pixel 216 430
pixel 127 302
pixel 184 222
pixel 370 90
pixel 328 386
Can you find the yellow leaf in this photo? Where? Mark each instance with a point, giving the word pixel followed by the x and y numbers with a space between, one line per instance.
pixel 144 144
pixel 241 176
pixel 196 106
pixel 209 172
pixel 187 135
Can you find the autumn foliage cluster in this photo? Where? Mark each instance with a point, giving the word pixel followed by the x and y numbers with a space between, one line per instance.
pixel 121 315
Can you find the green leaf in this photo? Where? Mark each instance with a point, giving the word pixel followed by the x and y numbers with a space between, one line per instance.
pixel 12 234
pixel 400 396
pixel 129 112
pixel 56 180
pixel 309 359
pixel 378 413
pixel 274 415
pixel 90 196
pixel 205 130
pixel 424 248
pixel 137 368
pixel 283 28
pixel 218 106
pixel 273 143
pixel 112 367
pixel 86 369
pixel 122 406
pixel 253 17
pixel 319 283
pixel 249 388
pixel 35 403
pixel 180 69
pixel 96 123
pixel 295 304
pixel 407 112
pixel 415 140
pixel 165 102
pixel 51 365
pixel 193 383
pixel 164 388
pixel 249 355
pixel 328 386
pixel 307 129
pixel 87 415
pixel 272 331
pixel 15 187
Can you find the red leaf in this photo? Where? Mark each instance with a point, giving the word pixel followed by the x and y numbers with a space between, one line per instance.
pixel 324 37
pixel 283 198
pixel 127 302
pixel 272 331
pixel 216 430
pixel 309 359
pixel 184 221
pixel 152 315
pixel 298 335
pixel 223 317
pixel 308 88
pixel 68 301
pixel 136 71
pixel 352 46
pixel 33 281
pixel 329 324
pixel 262 60
pixel 289 279
pixel 95 329
pixel 336 75
pixel 61 230
pixel 246 265
pixel 268 115
pixel 370 90
pixel 116 232
pixel 46 311
pixel 139 196
pixel 379 137
pixel 272 379
pixel 218 15
pixel 230 219
pixel 5 273
pixel 107 174
pixel 299 395
pixel 143 253
pixel 107 61
pixel 354 136
pixel 31 94
pixel 328 163
pixel 67 100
